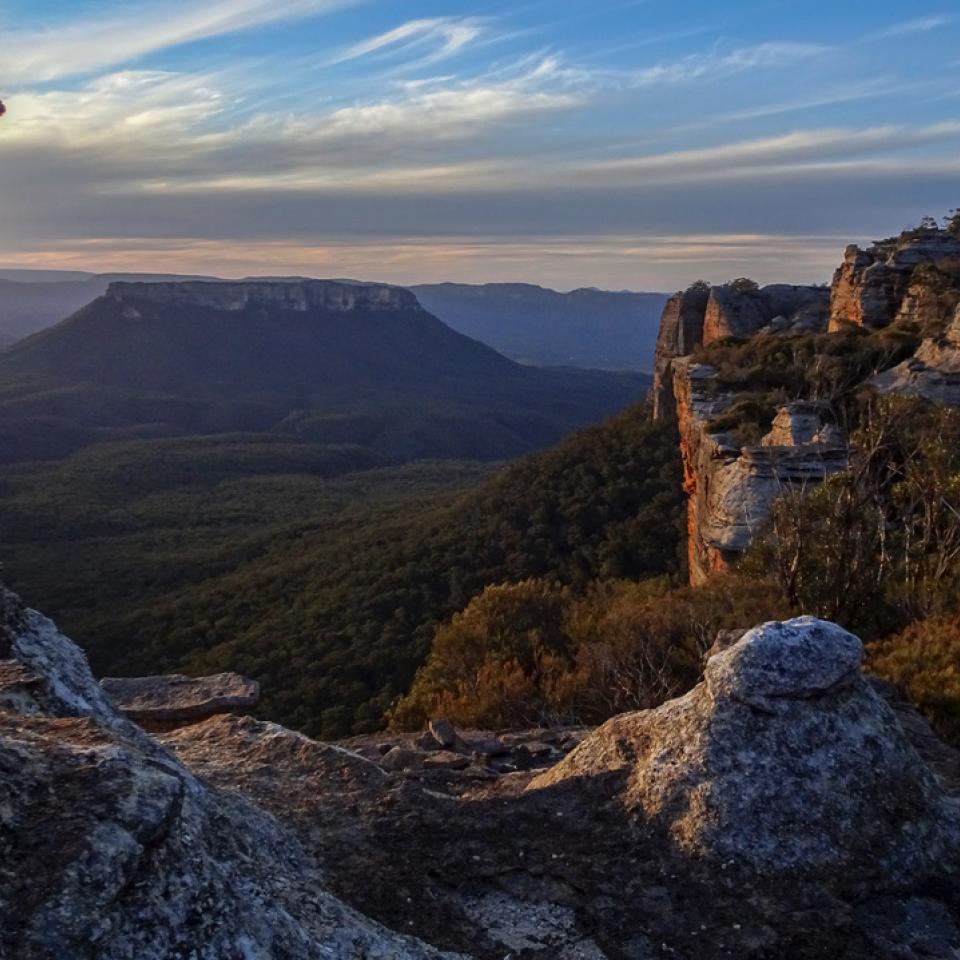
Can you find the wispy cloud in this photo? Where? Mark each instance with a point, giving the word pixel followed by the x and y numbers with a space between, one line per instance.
pixel 713 65
pixel 917 25
pixel 443 36
pixel 154 129
pixel 90 44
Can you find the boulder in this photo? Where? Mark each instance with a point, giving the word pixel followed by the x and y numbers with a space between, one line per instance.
pixel 784 760
pixel 444 733
pixel 111 848
pixel 176 697
pixel 445 760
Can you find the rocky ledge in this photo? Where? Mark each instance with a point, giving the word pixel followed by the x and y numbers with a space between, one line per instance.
pixel 780 809
pixel 174 699
pixel 111 849
pixel 933 372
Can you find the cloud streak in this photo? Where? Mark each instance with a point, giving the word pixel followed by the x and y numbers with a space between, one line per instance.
pixel 84 46
pixel 711 66
pixel 446 35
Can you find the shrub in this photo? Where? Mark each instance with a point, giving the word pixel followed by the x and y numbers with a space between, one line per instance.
pixel 924 662
pixel 533 653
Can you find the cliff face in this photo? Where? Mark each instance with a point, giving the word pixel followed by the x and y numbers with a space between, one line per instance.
pixel 301 296
pixel 779 307
pixel 873 287
pixel 681 330
pixel 731 488
pixel 702 314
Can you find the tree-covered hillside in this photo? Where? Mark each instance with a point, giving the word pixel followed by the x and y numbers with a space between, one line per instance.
pixel 325 586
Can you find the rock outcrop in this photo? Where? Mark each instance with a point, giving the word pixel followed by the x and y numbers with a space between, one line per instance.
pixel 873 287
pixel 702 314
pixel 785 761
pixel 731 488
pixel 913 279
pixel 174 698
pixel 776 811
pixel 933 372
pixel 111 848
pixel 741 313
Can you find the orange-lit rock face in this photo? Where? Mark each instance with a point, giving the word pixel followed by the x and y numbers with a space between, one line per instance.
pixel 681 331
pixel 730 490
pixel 873 287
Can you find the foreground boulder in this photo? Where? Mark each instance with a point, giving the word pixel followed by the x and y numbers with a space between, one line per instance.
pixel 784 760
pixel 110 848
pixel 777 811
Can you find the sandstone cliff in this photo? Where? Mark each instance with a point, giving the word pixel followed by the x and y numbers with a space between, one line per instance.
pixel 702 315
pixel 873 287
pixel 731 488
pixel 913 280
pixel 300 296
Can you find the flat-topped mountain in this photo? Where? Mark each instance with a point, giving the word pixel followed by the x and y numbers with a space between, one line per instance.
pixel 199 338
pixel 602 329
pixel 326 361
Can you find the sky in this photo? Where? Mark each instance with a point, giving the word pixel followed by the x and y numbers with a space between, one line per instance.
pixel 623 144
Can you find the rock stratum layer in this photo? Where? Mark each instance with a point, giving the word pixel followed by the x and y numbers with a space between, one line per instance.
pixel 778 810
pixel 913 280
pixel 175 698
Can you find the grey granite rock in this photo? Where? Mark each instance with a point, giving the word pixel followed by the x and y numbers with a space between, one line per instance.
pixel 785 760
pixel 111 849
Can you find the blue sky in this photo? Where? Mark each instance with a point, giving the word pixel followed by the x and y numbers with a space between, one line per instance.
pixel 619 143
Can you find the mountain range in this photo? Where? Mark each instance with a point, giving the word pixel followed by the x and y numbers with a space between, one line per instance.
pixel 609 330
pixel 530 324
pixel 317 361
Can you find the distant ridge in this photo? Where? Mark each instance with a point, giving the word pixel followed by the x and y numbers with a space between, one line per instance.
pixel 323 361
pixel 585 327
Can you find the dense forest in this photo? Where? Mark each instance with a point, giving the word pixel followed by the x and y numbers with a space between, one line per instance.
pixel 324 583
